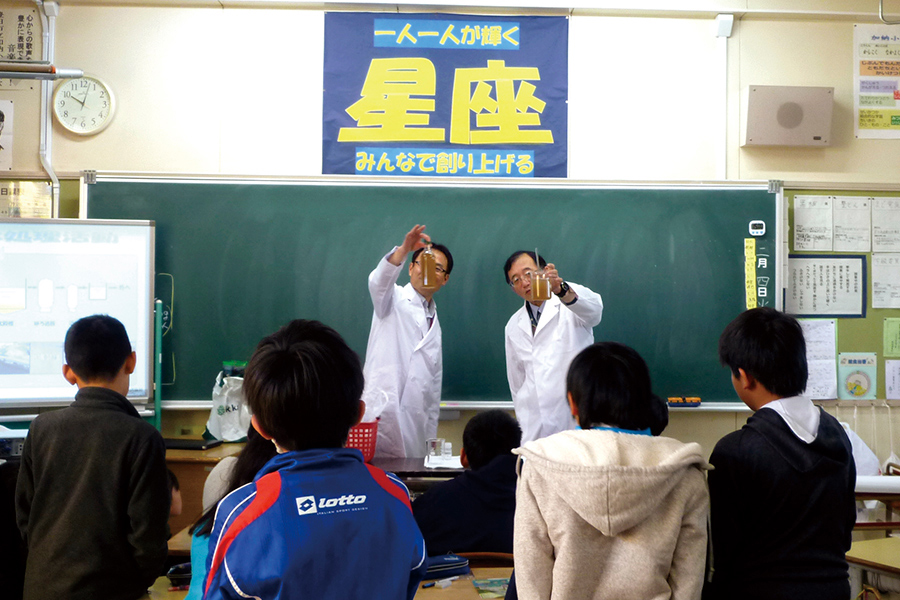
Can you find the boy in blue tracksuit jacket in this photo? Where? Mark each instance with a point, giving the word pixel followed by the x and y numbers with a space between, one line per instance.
pixel 317 522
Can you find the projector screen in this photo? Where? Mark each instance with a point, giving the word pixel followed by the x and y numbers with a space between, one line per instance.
pixel 52 273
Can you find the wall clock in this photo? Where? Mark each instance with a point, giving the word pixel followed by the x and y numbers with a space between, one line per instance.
pixel 84 106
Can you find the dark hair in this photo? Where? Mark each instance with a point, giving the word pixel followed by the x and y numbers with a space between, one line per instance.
pixel 97 347
pixel 441 248
pixel 660 410
pixel 769 346
pixel 303 384
pixel 172 481
pixel 610 384
pixel 256 453
pixel 512 258
pixel 488 435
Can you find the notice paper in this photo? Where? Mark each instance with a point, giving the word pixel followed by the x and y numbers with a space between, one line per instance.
pixel 821 358
pixel 852 224
pixel 892 338
pixel 826 286
pixel 886 225
pixel 876 81
pixel 813 223
pixel 892 379
pixel 886 280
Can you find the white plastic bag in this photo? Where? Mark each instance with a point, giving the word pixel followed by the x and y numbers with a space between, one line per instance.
pixel 229 418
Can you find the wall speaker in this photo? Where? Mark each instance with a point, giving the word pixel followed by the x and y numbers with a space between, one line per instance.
pixel 776 115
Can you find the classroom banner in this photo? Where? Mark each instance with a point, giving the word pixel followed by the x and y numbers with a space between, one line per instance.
pixel 433 95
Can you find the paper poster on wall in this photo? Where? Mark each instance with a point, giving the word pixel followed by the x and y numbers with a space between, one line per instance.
pixel 857 375
pixel 425 95
pixel 876 81
pixel 6 135
pixel 886 280
pixel 26 199
pixel 886 225
pixel 826 286
pixel 813 223
pixel 821 358
pixel 892 338
pixel 892 379
pixel 852 224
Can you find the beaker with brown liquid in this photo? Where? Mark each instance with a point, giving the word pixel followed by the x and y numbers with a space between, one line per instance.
pixel 540 286
pixel 429 269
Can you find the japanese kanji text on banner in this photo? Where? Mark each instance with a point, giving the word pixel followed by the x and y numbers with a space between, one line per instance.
pixel 445 95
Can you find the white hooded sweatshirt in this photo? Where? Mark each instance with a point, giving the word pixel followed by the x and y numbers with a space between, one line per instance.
pixel 602 514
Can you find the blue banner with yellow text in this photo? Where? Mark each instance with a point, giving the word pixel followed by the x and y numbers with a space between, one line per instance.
pixel 445 95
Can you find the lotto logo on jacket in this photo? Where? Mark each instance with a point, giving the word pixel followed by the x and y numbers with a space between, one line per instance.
pixel 306 505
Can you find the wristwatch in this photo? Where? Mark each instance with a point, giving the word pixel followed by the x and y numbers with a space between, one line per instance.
pixel 563 289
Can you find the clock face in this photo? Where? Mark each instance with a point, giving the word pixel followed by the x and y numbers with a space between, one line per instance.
pixel 84 106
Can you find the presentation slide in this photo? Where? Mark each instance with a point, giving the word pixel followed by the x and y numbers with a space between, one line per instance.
pixel 52 273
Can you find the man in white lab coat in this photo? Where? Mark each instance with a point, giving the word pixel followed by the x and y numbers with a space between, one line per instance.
pixel 404 368
pixel 542 338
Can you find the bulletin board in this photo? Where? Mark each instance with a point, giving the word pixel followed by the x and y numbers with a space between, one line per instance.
pixel 857 333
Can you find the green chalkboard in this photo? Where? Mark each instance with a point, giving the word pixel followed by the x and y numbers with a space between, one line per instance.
pixel 235 261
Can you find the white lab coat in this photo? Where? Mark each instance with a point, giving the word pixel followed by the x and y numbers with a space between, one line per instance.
pixel 536 365
pixel 404 367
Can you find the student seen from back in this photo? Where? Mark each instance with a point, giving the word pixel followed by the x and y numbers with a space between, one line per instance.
pixel 92 500
pixel 474 511
pixel 608 510
pixel 782 488
pixel 316 522
pixel 229 474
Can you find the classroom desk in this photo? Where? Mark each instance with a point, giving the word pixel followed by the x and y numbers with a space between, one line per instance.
pixel 462 588
pixel 160 591
pixel 413 467
pixel 414 474
pixel 191 467
pixel 180 543
pixel 885 489
pixel 881 555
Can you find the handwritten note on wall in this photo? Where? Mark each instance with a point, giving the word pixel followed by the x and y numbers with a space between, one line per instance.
pixel 886 280
pixel 886 225
pixel 833 223
pixel 813 228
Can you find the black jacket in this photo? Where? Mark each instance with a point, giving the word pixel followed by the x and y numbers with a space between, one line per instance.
pixel 782 511
pixel 92 501
pixel 471 513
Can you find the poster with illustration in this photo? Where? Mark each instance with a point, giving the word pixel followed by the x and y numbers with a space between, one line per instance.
pixel 6 135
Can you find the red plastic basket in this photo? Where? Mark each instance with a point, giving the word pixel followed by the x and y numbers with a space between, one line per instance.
pixel 363 438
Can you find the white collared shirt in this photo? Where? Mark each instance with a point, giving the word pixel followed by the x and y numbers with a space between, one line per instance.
pixel 428 305
pixel 800 414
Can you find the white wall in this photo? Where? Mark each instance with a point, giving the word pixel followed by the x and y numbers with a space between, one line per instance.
pixel 238 91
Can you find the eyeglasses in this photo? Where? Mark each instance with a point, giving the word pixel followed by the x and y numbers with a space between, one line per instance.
pixel 440 270
pixel 516 281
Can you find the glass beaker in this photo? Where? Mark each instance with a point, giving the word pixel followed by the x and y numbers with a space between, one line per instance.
pixel 540 286
pixel 433 448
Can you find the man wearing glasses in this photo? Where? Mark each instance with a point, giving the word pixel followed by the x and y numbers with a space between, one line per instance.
pixel 404 368
pixel 542 338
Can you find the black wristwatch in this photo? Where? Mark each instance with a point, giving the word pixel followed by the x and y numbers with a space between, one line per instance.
pixel 563 289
